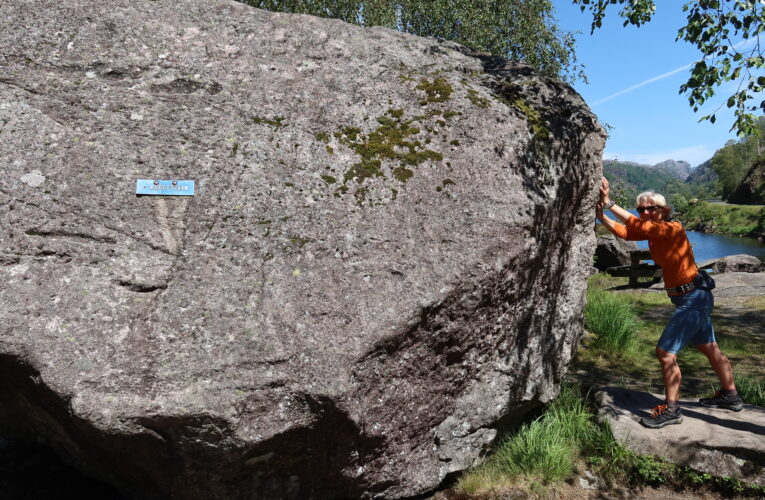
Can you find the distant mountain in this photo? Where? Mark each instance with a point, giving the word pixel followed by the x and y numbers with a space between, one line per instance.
pixel 633 178
pixel 704 173
pixel 680 169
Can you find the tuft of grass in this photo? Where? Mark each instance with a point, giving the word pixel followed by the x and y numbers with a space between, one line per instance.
pixel 751 390
pixel 545 450
pixel 613 320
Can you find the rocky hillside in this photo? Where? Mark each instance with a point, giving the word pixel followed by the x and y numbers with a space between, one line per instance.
pixel 751 191
pixel 680 169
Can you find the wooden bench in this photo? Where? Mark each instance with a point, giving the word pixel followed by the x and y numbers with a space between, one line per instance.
pixel 638 269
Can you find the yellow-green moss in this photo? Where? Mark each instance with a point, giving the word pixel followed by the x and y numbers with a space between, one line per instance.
pixel 385 142
pixel 276 122
pixel 437 90
pixel 402 174
pixel 328 179
pixel 329 149
pixel 299 242
pixel 322 136
pixel 476 99
pixel 538 127
pixel 360 194
pixel 513 97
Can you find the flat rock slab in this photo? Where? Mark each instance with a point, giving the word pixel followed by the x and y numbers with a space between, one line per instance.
pixel 716 441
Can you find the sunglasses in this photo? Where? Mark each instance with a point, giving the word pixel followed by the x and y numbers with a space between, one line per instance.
pixel 649 208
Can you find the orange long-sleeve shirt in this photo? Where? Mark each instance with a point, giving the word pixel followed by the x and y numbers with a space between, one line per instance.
pixel 669 247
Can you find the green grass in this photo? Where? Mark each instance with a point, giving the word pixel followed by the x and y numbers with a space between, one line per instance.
pixel 738 328
pixel 567 437
pixel 751 390
pixel 545 450
pixel 613 320
pixel 555 446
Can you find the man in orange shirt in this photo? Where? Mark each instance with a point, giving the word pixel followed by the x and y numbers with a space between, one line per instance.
pixel 670 249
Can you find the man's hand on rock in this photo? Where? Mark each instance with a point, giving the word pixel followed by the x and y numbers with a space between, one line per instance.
pixel 604 191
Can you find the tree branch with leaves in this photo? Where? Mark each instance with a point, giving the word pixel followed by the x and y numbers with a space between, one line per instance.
pixel 727 35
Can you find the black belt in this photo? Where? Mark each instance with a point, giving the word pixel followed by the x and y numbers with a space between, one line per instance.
pixel 680 290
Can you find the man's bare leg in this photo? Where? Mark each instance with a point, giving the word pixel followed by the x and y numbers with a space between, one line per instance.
pixel 720 365
pixel 671 374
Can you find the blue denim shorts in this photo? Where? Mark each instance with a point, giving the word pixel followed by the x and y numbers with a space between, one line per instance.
pixel 690 323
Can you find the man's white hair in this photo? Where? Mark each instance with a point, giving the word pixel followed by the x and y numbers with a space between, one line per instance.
pixel 658 199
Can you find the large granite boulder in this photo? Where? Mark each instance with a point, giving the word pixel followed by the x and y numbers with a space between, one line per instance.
pixel 384 260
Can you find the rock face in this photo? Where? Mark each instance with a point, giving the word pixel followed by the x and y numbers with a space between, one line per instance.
pixel 384 259
pixel 741 263
pixel 711 440
pixel 680 169
pixel 612 251
pixel 751 191
pixel 702 174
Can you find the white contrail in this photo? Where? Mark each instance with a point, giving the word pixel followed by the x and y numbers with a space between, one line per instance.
pixel 641 84
pixel 665 75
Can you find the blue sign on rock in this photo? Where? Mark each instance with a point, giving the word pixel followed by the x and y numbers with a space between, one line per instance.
pixel 164 187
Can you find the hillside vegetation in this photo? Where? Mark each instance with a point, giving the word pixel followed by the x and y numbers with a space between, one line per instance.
pixel 627 179
pixel 740 168
pixel 732 220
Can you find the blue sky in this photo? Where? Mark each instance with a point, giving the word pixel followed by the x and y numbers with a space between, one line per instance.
pixel 653 122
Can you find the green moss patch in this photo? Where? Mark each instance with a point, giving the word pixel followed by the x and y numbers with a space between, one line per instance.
pixel 391 140
pixel 513 97
pixel 276 122
pixel 476 99
pixel 538 127
pixel 436 90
